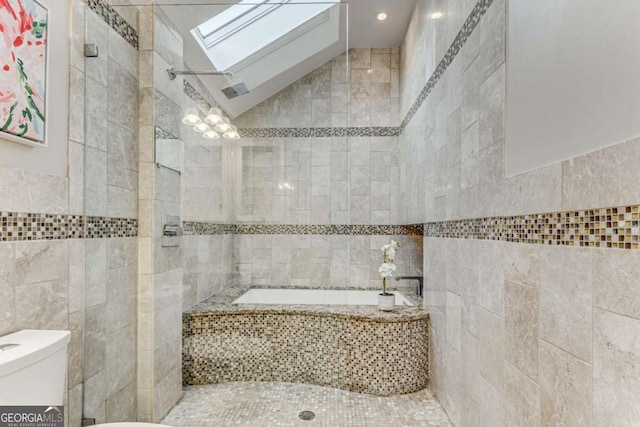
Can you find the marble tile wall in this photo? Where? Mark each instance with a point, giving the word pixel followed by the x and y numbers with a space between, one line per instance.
pixel 524 334
pixel 334 180
pixel 160 260
pixel 207 171
pixel 44 283
pixel 322 180
pixel 320 261
pixel 111 186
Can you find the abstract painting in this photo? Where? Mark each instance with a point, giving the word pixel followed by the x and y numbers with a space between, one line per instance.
pixel 23 70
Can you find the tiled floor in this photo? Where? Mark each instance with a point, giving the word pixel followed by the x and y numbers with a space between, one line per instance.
pixel 271 404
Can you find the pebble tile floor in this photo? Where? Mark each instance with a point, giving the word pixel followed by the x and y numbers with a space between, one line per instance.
pixel 271 404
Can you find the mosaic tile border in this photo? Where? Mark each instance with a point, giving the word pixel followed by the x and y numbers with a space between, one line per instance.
pixel 97 227
pixel 114 20
pixel 18 226
pixel 322 132
pixel 613 227
pixel 163 134
pixel 207 228
pixel 204 228
pixel 195 96
pixel 467 28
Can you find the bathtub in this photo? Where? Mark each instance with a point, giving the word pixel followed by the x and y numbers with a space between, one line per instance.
pixel 316 297
pixel 304 336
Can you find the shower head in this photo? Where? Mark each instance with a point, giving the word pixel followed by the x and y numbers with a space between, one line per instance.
pixel 235 90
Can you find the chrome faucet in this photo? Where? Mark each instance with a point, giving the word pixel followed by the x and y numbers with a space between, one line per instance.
pixel 419 288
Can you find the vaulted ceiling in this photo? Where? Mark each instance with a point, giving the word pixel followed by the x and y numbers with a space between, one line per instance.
pixel 299 49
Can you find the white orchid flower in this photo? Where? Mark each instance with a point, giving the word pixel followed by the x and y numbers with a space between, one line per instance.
pixel 390 250
pixel 387 269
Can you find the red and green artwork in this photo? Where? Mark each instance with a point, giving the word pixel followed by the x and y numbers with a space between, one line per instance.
pixel 23 70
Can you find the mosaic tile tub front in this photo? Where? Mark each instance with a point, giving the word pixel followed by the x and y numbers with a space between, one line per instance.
pixel 381 355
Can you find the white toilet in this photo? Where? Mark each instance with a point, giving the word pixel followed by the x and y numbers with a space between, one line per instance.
pixel 33 367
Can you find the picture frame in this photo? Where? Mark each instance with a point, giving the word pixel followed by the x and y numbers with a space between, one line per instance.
pixel 24 72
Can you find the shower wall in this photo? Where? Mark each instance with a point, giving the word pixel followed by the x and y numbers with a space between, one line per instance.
pixel 48 223
pixel 207 191
pixel 111 167
pixel 335 180
pixel 529 279
pixel 160 269
pixel 285 173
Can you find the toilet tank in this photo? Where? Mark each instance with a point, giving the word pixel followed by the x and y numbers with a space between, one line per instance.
pixel 33 366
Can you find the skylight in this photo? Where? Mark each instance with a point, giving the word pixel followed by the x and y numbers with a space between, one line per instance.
pixel 243 30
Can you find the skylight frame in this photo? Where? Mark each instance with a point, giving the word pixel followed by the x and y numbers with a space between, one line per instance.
pixel 237 21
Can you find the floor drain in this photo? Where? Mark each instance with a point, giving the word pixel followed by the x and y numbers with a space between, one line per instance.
pixel 306 415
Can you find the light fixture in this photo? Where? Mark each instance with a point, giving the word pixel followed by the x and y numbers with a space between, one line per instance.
pixel 190 116
pixel 211 134
pixel 382 16
pixel 232 133
pixel 436 15
pixel 214 126
pixel 224 125
pixel 214 116
pixel 202 127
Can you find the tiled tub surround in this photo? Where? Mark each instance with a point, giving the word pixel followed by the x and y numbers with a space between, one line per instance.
pixel 359 349
pixel 314 255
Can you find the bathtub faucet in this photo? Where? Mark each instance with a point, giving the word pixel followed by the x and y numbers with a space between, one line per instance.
pixel 419 289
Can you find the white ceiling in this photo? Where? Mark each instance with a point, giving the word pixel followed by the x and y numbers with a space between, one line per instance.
pixel 363 31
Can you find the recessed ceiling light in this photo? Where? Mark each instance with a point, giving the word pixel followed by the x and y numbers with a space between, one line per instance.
pixel 436 15
pixel 382 16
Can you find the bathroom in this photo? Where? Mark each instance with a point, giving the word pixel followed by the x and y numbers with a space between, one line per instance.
pixel 496 141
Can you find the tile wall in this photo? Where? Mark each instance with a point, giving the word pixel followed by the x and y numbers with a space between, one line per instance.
pixel 207 191
pixel 160 269
pixel 333 180
pixel 286 173
pixel 69 261
pixel 538 333
pixel 111 190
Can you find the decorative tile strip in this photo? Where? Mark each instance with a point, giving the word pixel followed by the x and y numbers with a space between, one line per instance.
pixel 195 96
pixel 207 228
pixel 467 28
pixel 103 227
pixel 17 226
pixel 163 134
pixel 322 132
pixel 615 227
pixel 114 20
